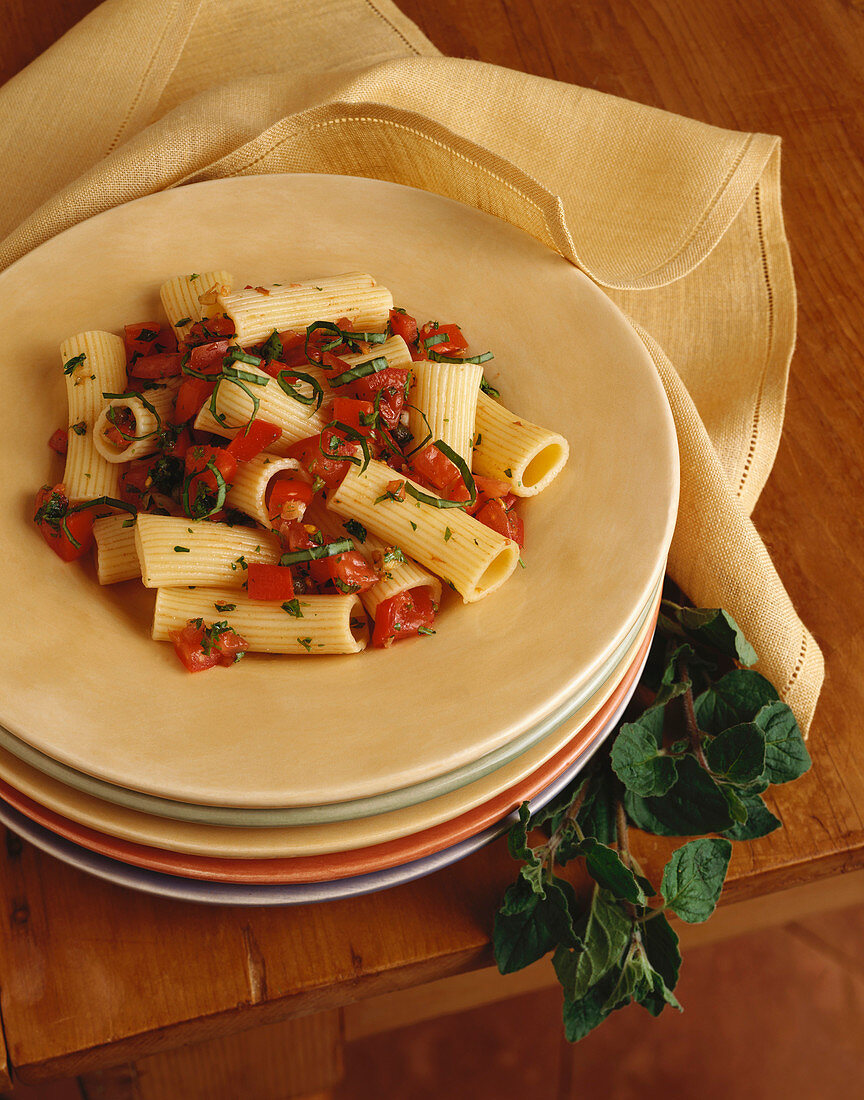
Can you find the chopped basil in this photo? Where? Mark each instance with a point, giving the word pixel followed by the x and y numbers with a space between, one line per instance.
pixel 293 608
pixel 393 555
pixel 508 472
pixel 488 388
pixel 223 607
pixel 413 524
pixel 128 523
pixel 71 364
pixel 425 630
pixel 272 348
pixel 437 357
pixel 181 550
pixel 315 553
pixel 183 321
pixel 80 428
pixel 448 534
pixel 306 643
pixel 355 529
pixel 348 589
pixel 371 366
pixel 317 395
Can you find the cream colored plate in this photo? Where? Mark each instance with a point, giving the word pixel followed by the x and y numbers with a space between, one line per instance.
pixel 80 679
pixel 240 843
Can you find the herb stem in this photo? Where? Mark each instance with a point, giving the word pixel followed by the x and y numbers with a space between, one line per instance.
pixel 693 732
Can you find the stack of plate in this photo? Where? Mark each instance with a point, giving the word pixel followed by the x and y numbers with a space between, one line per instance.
pixel 287 780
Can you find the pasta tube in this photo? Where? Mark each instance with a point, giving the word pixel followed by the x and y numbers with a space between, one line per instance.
pixel 443 402
pixel 316 625
pixel 148 412
pixel 93 362
pixel 177 551
pixel 233 403
pixel 190 298
pixel 253 478
pixel 399 573
pixel 471 557
pixel 116 553
pixel 510 449
pixel 257 312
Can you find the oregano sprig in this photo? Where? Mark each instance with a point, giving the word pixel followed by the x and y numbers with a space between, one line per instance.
pixel 706 739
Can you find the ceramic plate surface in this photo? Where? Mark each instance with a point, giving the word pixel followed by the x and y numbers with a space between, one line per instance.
pixel 293 732
pixel 580 707
pixel 227 893
pixel 322 851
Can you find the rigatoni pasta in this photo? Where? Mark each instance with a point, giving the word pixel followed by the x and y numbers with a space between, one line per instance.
pixel 303 462
pixel 93 363
pixel 316 625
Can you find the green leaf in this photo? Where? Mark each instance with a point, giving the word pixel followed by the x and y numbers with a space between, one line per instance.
pixel 736 697
pixel 604 865
pixel 637 760
pixel 597 816
pixel 529 925
pixel 737 754
pixel 737 809
pixel 661 946
pixel 695 805
pixel 604 939
pixel 693 878
pixel 711 627
pixel 672 684
pixel 517 837
pixel 786 755
pixel 759 822
pixel 582 1016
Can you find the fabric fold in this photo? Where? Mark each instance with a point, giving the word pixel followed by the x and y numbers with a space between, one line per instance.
pixel 678 221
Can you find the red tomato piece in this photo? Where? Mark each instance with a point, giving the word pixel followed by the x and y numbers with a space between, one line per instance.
pixel 404 325
pixel 390 383
pixel 350 572
pixel 200 647
pixel 164 365
pixel 69 534
pixel 502 520
pixel 349 410
pixel 269 582
pixel 207 358
pixel 454 340
pixel 287 490
pixel 435 467
pixel 203 486
pixel 192 395
pixel 253 439
pixel 199 454
pixel 402 616
pixel 488 488
pixel 319 455
pixel 149 338
pixel 59 441
pixel 293 348
pixel 121 427
pixel 212 328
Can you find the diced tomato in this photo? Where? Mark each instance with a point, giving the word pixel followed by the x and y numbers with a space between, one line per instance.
pixel 390 383
pixel 178 444
pixel 164 365
pixel 269 582
pixel 203 485
pixel 453 343
pixel 404 325
pixel 293 348
pixel 69 534
pixel 435 467
pixel 505 522
pixel 315 455
pixel 348 410
pixel 211 328
pixel 59 441
pixel 120 425
pixel 191 397
pixel 403 615
pixel 488 488
pixel 253 439
pixel 207 358
pixel 283 490
pixel 329 361
pixel 200 647
pixel 294 535
pixel 133 481
pixel 350 572
pixel 149 338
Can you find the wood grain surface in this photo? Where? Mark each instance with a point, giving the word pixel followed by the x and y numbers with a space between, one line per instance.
pixel 93 975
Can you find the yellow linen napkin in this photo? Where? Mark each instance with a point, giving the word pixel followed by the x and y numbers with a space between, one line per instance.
pixel 680 222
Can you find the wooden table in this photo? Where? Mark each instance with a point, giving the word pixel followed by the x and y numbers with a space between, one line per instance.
pixel 96 976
